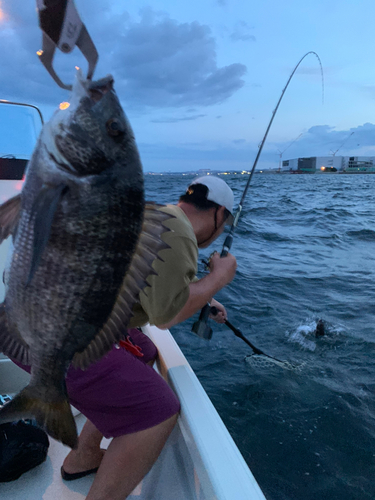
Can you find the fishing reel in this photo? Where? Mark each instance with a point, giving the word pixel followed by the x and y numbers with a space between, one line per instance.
pixel 201 327
pixel 208 262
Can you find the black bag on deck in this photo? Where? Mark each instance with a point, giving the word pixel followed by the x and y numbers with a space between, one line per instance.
pixel 23 446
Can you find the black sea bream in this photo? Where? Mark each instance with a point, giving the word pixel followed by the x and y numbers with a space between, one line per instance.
pixel 80 258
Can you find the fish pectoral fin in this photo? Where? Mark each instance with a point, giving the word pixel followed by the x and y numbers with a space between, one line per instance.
pixel 9 215
pixel 149 245
pixel 43 213
pixel 11 342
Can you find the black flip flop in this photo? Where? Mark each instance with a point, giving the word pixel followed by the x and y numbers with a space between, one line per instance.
pixel 77 475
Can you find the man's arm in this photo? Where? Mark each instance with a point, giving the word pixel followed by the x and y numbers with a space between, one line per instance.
pixel 202 291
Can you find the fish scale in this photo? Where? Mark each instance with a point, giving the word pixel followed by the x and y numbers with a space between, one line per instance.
pixel 85 284
pixel 81 254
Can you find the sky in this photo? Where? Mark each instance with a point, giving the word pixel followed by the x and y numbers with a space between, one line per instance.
pixel 199 80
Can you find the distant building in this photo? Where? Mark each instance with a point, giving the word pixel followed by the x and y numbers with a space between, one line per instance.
pixel 358 164
pixel 329 164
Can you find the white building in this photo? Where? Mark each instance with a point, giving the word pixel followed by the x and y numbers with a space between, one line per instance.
pixel 358 164
pixel 330 164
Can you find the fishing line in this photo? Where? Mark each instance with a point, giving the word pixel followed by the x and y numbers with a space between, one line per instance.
pixel 200 327
pixel 229 239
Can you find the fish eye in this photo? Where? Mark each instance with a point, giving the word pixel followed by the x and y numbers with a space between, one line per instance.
pixel 114 127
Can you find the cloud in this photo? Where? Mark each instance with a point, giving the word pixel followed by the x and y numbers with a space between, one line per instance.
pixel 156 61
pixel 239 154
pixel 168 64
pixel 324 140
pixel 241 32
pixel 22 76
pixel 368 89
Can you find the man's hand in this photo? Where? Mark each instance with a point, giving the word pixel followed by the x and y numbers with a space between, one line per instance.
pixel 222 271
pixel 224 268
pixel 221 315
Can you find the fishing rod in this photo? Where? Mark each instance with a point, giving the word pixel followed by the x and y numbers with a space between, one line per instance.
pixel 229 239
pixel 200 327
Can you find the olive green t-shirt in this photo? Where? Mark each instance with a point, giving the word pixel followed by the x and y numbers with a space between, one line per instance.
pixel 169 289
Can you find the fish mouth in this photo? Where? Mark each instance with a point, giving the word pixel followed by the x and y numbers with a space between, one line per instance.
pixel 96 90
pixel 85 93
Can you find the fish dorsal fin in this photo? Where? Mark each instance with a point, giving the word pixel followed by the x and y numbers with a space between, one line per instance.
pixel 148 246
pixel 11 342
pixel 9 215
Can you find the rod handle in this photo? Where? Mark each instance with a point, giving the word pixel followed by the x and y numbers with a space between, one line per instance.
pixel 200 327
pixel 227 245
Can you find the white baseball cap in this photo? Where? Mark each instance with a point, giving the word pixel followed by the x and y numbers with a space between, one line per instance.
pixel 218 191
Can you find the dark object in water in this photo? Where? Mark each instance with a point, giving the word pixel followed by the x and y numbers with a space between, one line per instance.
pixel 23 446
pixel 320 331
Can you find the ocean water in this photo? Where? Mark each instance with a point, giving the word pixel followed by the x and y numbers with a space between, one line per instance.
pixel 305 251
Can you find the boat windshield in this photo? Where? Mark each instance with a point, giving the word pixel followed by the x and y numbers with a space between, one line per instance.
pixel 20 125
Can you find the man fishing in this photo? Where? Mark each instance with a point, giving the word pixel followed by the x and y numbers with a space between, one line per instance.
pixel 121 395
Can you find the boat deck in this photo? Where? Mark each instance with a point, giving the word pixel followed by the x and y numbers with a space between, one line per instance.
pixel 200 460
pixel 44 482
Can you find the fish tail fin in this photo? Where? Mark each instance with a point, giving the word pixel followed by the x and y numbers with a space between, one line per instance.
pixel 54 416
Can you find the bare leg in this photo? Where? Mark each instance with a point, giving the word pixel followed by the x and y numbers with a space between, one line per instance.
pixel 127 461
pixel 88 455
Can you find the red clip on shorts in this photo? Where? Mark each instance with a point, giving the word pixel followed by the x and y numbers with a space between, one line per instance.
pixel 121 394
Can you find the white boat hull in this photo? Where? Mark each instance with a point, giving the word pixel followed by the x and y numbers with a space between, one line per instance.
pixel 199 462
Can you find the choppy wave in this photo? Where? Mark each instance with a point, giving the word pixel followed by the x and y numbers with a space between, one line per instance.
pixel 363 234
pixel 304 247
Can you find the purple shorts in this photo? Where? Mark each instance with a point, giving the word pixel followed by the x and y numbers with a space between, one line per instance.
pixel 121 394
